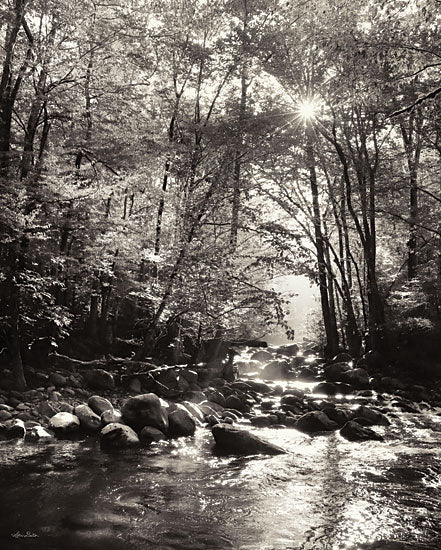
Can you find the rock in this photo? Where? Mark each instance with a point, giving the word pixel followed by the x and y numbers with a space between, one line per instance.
pixel 212 405
pixel 233 402
pixel 307 374
pixel 15 429
pixel 259 387
pixel 22 407
pixel 353 431
pixel 325 388
pixel 390 384
pixel 342 357
pixel 275 370
pixel 99 404
pixel 145 410
pixel 261 421
pixel 149 435
pixel 231 439
pixel 99 379
pixel 39 434
pixel 65 407
pixel 5 415
pixel 55 396
pixel 57 379
pixel 315 421
pixel 336 371
pixel 216 397
pixel 88 419
pixel 64 423
pixel 340 416
pixel 169 383
pixel 4 407
pixel 180 423
pixel 291 400
pixel 374 417
pixel 289 350
pixel 118 436
pixel 357 378
pixel 262 356
pixel 13 401
pixel 194 410
pixel 111 416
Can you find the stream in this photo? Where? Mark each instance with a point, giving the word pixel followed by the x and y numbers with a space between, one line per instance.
pixel 325 494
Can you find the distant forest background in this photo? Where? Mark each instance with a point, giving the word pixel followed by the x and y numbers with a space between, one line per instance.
pixel 158 168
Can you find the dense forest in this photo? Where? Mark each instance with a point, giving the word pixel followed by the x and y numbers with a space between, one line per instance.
pixel 162 161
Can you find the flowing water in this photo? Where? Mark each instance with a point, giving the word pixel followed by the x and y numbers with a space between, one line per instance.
pixel 325 494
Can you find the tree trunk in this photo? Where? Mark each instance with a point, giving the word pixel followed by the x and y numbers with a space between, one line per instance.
pixel 330 328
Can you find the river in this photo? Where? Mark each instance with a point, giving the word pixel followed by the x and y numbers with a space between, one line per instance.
pixel 325 494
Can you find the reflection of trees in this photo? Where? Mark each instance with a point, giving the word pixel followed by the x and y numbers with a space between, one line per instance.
pixel 333 495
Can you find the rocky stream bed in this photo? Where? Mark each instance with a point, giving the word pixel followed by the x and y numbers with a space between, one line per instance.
pixel 293 454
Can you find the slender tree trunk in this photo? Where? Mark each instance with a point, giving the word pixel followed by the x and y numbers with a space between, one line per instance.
pixel 330 328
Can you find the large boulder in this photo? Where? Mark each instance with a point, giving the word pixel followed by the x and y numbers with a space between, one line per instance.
pixel 315 421
pixel 149 435
pixel 99 379
pixel 64 423
pixel 373 416
pixel 357 378
pixel 353 431
pixel 262 356
pixel 145 410
pixel 325 388
pixel 99 404
pixel 46 408
pixel 118 436
pixel 88 419
pixel 276 370
pixel 215 396
pixel 336 371
pixel 289 350
pixel 180 423
pixel 234 440
pixel 340 416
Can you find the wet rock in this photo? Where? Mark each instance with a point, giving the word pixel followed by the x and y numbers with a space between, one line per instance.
pixel 149 435
pixel 118 436
pixel 39 434
pixel 231 415
pixel 259 387
pixel 336 371
pixel 233 402
pixel 295 400
pixel 262 356
pixel 13 401
pixel 315 421
pixel 340 416
pixel 290 350
pixel 194 410
pixel 212 405
pixel 88 419
pixel 64 423
pixel 99 379
pixel 216 397
pixel 375 417
pixel 260 421
pixel 111 416
pixel 275 370
pixel 145 410
pixel 15 429
pixel 4 407
pixel 307 374
pixel 134 385
pixel 342 357
pixel 99 404
pixel 234 440
pixel 212 420
pixel 325 388
pixel 57 379
pixel 5 415
pixel 353 431
pixel 180 423
pixel 357 378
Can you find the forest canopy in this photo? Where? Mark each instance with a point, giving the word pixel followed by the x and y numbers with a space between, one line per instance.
pixel 162 161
